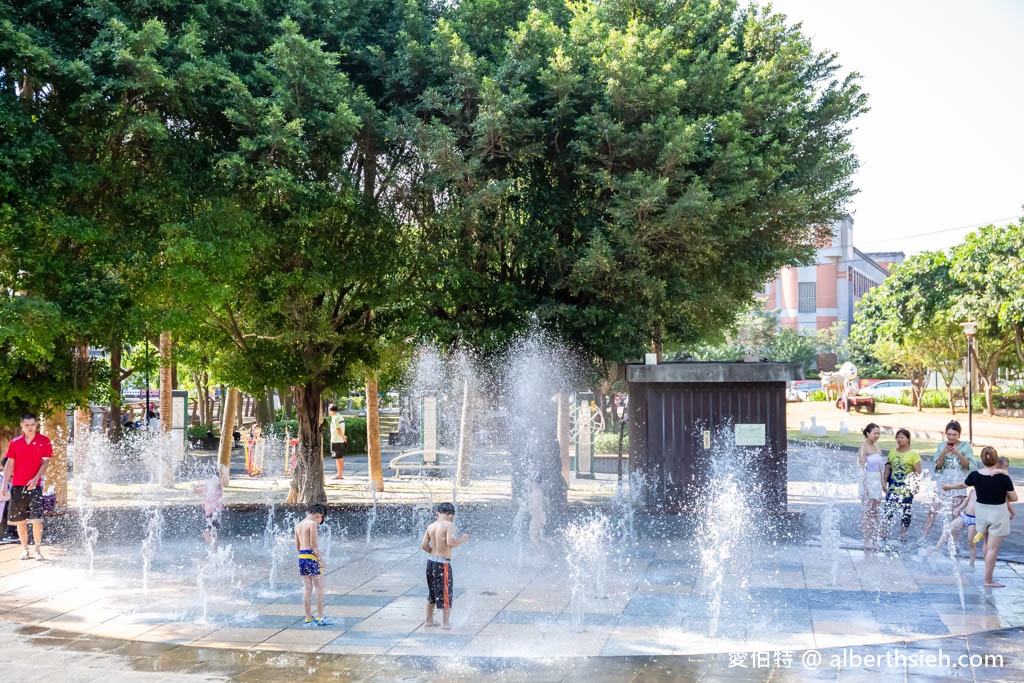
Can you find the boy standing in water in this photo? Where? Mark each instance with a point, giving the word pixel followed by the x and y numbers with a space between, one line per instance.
pixel 438 541
pixel 307 543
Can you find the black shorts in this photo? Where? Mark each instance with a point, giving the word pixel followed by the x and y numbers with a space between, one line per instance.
pixel 338 450
pixel 439 584
pixel 26 504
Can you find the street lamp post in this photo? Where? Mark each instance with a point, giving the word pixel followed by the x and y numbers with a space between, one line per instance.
pixel 969 329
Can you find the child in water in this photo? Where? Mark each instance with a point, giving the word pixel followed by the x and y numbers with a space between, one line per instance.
pixel 438 541
pixel 213 503
pixel 311 563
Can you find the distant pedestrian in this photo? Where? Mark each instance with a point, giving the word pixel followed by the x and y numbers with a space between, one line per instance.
pixel 902 475
pixel 27 457
pixel 338 438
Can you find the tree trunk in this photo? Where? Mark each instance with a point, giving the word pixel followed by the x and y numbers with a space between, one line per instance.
pixel 240 411
pixel 200 399
pixel 116 377
pixel 307 485
pixel 83 429
pixel 166 382
pixel 55 426
pixel 373 434
pixel 264 403
pixel 226 438
pixel 289 405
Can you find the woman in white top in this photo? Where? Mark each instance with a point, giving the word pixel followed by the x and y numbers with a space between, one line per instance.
pixel 872 483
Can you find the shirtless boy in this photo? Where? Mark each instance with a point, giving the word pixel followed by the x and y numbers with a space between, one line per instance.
pixel 307 543
pixel 438 542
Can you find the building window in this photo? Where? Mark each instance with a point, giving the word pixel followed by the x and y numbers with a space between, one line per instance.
pixel 808 297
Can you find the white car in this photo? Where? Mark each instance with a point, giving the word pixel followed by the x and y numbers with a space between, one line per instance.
pixel 888 388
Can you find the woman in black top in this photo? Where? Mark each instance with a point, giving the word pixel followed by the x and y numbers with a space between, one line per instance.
pixel 994 490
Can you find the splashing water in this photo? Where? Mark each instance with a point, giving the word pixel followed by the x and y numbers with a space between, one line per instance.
pixel 628 496
pixel 951 548
pixel 586 543
pixel 371 517
pixel 151 543
pixel 216 577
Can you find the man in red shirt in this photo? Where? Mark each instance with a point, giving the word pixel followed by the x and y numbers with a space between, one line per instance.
pixel 26 462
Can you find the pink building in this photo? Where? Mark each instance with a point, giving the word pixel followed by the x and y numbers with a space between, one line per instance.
pixel 814 297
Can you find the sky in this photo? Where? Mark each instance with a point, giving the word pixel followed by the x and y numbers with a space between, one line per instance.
pixel 942 149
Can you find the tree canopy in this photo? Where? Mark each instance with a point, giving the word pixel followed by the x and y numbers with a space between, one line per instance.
pixel 913 320
pixel 623 172
pixel 311 185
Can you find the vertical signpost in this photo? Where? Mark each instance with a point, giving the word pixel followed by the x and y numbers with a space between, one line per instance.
pixel 179 428
pixel 428 429
pixel 583 402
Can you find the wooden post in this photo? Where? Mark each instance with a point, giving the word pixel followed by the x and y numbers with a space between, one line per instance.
pixel 226 428
pixel 55 426
pixel 373 433
pixel 166 382
pixel 83 430
pixel 564 440
pixel 465 434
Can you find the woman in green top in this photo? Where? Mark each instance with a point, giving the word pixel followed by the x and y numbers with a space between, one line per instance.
pixel 901 475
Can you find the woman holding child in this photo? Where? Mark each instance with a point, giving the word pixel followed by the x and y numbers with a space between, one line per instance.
pixel 872 483
pixel 953 460
pixel 992 511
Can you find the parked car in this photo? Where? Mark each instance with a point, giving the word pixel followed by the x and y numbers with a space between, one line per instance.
pixel 887 388
pixel 800 389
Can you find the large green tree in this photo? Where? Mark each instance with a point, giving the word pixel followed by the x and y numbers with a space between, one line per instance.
pixel 987 269
pixel 86 176
pixel 913 319
pixel 909 323
pixel 295 265
pixel 621 172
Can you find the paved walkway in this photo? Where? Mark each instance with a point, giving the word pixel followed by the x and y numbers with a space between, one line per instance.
pixel 239 614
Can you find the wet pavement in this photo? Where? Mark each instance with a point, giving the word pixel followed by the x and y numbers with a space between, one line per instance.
pixel 33 653
pixel 885 616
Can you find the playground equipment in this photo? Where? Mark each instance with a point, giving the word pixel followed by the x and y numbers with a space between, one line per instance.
pixel 255 450
pixel 291 452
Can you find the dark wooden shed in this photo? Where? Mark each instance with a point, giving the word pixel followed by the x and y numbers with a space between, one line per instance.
pixel 683 414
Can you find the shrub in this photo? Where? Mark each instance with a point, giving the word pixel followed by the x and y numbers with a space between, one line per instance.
pixel 817 395
pixel 199 431
pixel 1011 401
pixel 608 442
pixel 355 430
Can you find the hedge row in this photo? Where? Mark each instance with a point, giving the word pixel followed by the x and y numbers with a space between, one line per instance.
pixel 355 430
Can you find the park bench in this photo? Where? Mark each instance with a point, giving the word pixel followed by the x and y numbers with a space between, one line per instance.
pixel 415 461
